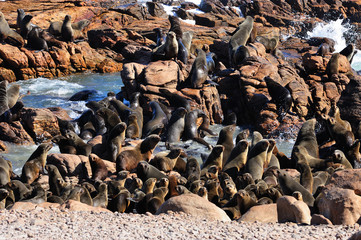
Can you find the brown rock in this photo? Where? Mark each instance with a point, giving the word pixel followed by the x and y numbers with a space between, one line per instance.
pixel 289 209
pixel 41 123
pixel 70 165
pixel 263 213
pixel 356 236
pixel 97 145
pixel 78 62
pixel 3 147
pixel 194 205
pixel 60 113
pixel 15 133
pixel 13 56
pixel 109 66
pixel 348 179
pixel 341 206
pixel 313 64
pixel 163 74
pixel 7 74
pixel 73 205
pixel 318 219
pixel 132 74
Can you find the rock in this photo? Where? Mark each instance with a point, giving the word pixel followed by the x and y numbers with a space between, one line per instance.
pixel 314 64
pixel 289 209
pixel 41 123
pixel 73 205
pixel 7 74
pixel 131 74
pixel 109 66
pixel 266 213
pixel 70 165
pixel 13 56
pixel 134 10
pixel 163 74
pixel 139 54
pixel 15 133
pixel 348 179
pixel 341 206
pixel 194 205
pixel 60 113
pixel 3 147
pixel 318 219
pixel 156 10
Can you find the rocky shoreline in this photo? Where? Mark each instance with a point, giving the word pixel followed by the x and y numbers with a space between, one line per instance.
pixel 322 87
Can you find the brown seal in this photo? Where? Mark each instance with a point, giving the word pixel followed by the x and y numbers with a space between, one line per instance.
pixel 99 169
pixel 114 142
pixel 165 161
pixel 67 31
pixel 56 181
pixel 5 171
pixel 226 140
pixel 214 158
pixel 7 34
pixel 101 200
pixel 199 72
pixel 256 159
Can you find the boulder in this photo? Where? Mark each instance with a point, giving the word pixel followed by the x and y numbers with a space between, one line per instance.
pixel 15 58
pixel 163 74
pixel 341 206
pixel 289 209
pixel 7 74
pixel 348 179
pixel 41 123
pixel 72 166
pixel 266 213
pixel 194 205
pixel 318 219
pixel 15 133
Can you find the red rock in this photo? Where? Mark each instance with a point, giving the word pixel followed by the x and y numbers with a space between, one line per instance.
pixel 194 205
pixel 41 123
pixel 60 113
pixel 7 74
pixel 109 66
pixel 78 62
pixel 266 213
pixel 70 165
pixel 15 133
pixel 341 206
pixel 13 56
pixel 313 63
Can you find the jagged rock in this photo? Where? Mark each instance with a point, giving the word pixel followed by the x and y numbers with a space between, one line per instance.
pixel 41 123
pixel 109 66
pixel 13 56
pixel 14 133
pixel 156 9
pixel 7 74
pixel 194 205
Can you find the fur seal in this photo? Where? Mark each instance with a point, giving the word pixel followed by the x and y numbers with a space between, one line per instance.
pixel 175 26
pixel 349 51
pixel 199 72
pixel 175 126
pixel 157 200
pixel 214 158
pixel 240 38
pixel 307 138
pixel 35 41
pixel 256 159
pixel 4 104
pixel 182 52
pixel 237 159
pixel 332 65
pixel 65 145
pixel 171 46
pixel 120 202
pixel 158 121
pixel 56 181
pixel 5 171
pixel 323 50
pixel 211 64
pixel 19 18
pixel 161 36
pixel 343 137
pixel 269 43
pixel 187 40
pixel 111 118
pixel 339 157
pixel 175 100
pixel 129 157
pixel 190 127
pixel 137 110
pixel 226 140
pixel 81 194
pixel 165 161
pixel 133 128
pixel 35 164
pixel 26 26
pixel 289 186
pixel 7 34
pixel 280 95
pixel 99 169
pixel 101 200
pixel 146 171
pixel 55 27
pixel 115 140
pixel 81 147
pixel 120 108
pixel 12 94
pixel 67 31
pixel 193 170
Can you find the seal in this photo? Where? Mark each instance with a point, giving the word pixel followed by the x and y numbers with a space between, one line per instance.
pixel 19 190
pixel 133 128
pixel 35 41
pixel 182 52
pixel 129 157
pixel 158 121
pixel 214 158
pixel 111 119
pixel 269 43
pixel 146 171
pixel 157 200
pixel 280 95
pixel 80 194
pixel 171 46
pixel 137 110
pixel 115 141
pixel 35 164
pixel 349 51
pixel 237 159
pixel 120 108
pixel 38 194
pixel 307 138
pixel 333 65
pixel 67 31
pixel 19 18
pixel 65 145
pixel 240 38
pixel 7 34
pixel 161 36
pixel 99 169
pixel 343 137
pixel 5 171
pixel 323 50
pixel 175 26
pixel 55 27
pixel 190 127
pixel 147 191
pixel 175 126
pixel 193 170
pixel 226 140
pixel 199 72
pixel 187 40
pixel 165 161
pixel 289 186
pixel 4 104
pixel 256 137
pixel 81 147
pixel 120 202
pixel 211 64
pixel 101 200
pixel 212 186
pixel 256 159
pixel 306 178
pixel 26 26
pixel 175 100
pixel 301 155
pixel 339 157
pixel 56 181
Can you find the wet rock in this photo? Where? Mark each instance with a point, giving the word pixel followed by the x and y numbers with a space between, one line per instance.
pixel 40 123
pixel 194 205
pixel 109 66
pixel 341 206
pixel 263 213
pixel 73 166
pixel 15 133
pixel 290 209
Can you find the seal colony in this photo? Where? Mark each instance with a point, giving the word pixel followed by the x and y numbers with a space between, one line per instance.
pixel 118 141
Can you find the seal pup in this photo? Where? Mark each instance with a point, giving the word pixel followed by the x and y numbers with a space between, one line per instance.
pixel 280 95
pixel 7 34
pixel 199 72
pixel 215 158
pixel 98 167
pixel 67 31
pixel 115 141
pixel 240 38
pixel 226 140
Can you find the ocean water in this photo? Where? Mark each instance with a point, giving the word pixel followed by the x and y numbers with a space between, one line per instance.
pixel 42 93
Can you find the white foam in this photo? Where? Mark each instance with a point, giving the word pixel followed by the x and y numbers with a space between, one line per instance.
pixel 195 11
pixel 170 10
pixel 238 10
pixel 193 22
